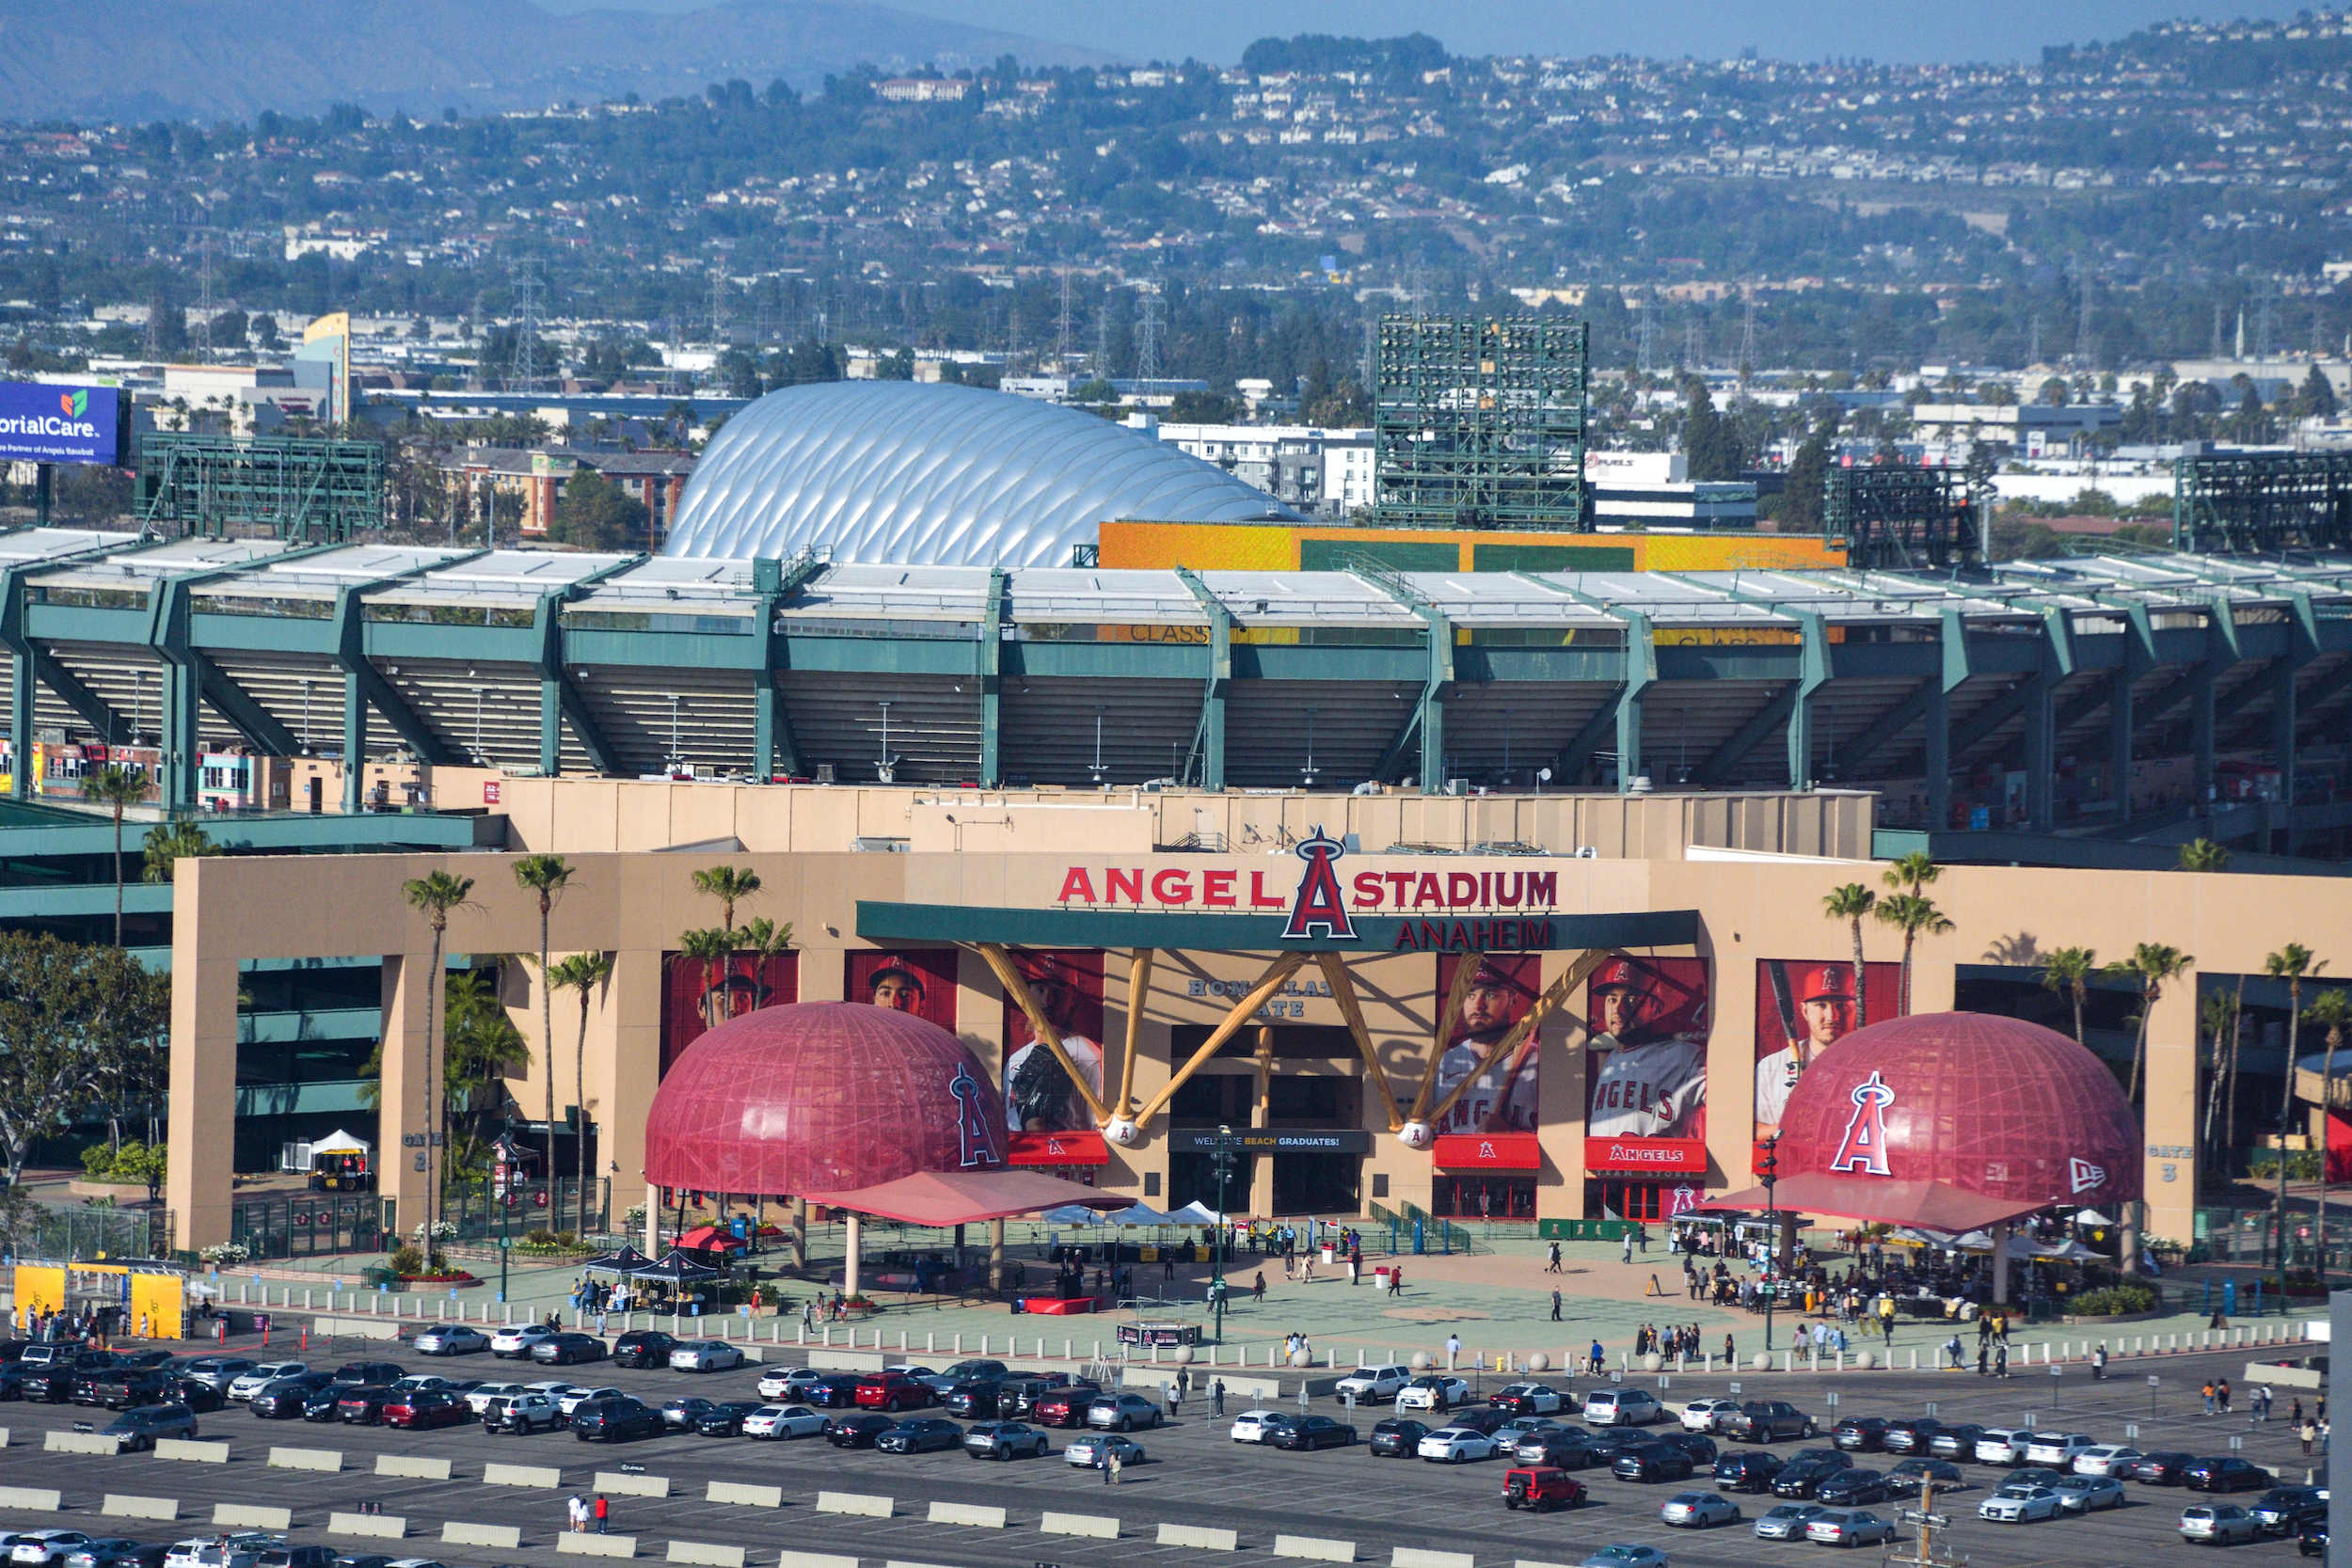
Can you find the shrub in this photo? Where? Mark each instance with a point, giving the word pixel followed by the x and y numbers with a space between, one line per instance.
pixel 224 1255
pixel 2302 1165
pixel 542 1236
pixel 407 1260
pixel 2115 1300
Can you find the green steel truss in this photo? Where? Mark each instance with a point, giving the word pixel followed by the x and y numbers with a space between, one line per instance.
pixel 1894 517
pixel 2261 502
pixel 1479 422
pixel 313 490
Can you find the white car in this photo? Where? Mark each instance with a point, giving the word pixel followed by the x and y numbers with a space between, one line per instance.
pixel 2001 1446
pixel 785 1421
pixel 1375 1382
pixel 572 1398
pixel 452 1339
pixel 2058 1449
pixel 787 1382
pixel 479 1395
pixel 246 1384
pixel 1256 1426
pixel 41 1547
pixel 2019 1505
pixel 1433 1391
pixel 1456 1446
pixel 515 1342
pixel 2089 1494
pixel 1620 1407
pixel 417 1382
pixel 524 1412
pixel 2107 1458
pixel 1531 1398
pixel 1702 1415
pixel 244 1551
pixel 710 1356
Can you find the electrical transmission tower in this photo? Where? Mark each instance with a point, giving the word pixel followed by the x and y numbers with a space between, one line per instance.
pixel 1643 352
pixel 718 307
pixel 523 365
pixel 1061 340
pixel 1147 335
pixel 1747 341
pixel 205 297
pixel 2086 353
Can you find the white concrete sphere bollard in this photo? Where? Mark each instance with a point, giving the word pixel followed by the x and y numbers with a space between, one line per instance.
pixel 1653 1362
pixel 1302 1358
pixel 1538 1362
pixel 1760 1362
pixel 1122 1131
pixel 1184 1355
pixel 1865 1359
pixel 1416 1135
pixel 1420 1362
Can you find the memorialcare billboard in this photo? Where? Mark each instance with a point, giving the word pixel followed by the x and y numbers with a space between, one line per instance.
pixel 917 981
pixel 1645 1106
pixel 41 422
pixel 1802 1007
pixel 1498 995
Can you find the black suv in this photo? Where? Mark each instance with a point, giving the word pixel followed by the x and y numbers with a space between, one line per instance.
pixel 1652 1461
pixel 1753 1471
pixel 977 1397
pixel 645 1347
pixel 1851 1488
pixel 386 1372
pixel 2285 1510
pixel 1016 1397
pixel 610 1420
pixel 1803 1475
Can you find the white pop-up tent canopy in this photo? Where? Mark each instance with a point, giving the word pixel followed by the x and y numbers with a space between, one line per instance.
pixel 341 1142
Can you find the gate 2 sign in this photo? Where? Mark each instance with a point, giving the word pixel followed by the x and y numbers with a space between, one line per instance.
pixel 44 422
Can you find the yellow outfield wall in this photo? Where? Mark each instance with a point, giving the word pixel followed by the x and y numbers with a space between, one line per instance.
pixel 1297 547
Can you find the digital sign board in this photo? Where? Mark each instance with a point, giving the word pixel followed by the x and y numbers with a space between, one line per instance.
pixel 46 423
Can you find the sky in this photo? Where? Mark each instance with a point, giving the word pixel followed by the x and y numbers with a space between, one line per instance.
pixel 1886 30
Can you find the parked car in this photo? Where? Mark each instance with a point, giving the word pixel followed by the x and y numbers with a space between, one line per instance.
pixel 1623 1555
pixel 1541 1487
pixel 726 1418
pixel 1909 1433
pixel 2283 1509
pixel 247 1383
pixel 1397 1437
pixel 706 1356
pixel 922 1435
pixel 835 1391
pixel 1121 1412
pixel 1957 1442
pixel 1786 1521
pixel 645 1347
pixel 1065 1406
pixel 35 1548
pixel 1749 1470
pixel 1456 1446
pixel 357 1372
pixel 2091 1494
pixel 1705 1414
pixel 298 1557
pixel 1374 1383
pixel 2217 1524
pixel 1562 1447
pixel 1017 1397
pixel 1766 1422
pixel 119 1552
pixel 1860 1433
pixel 1093 1450
pixel 2312 1540
pixel 1803 1474
pixel 2059 1449
pixel 2020 1505
pixel 2105 1459
pixel 520 1413
pixel 1853 1488
pixel 321 1403
pixel 861 1430
pixel 1433 1391
pixel 1007 1440
pixel 973 1397
pixel 427 1407
pixel 139 1428
pixel 2226 1473
pixel 450 1340
pixel 782 1420
pixel 565 1350
pixel 514 1342
pixel 2002 1446
pixel 569 1397
pixel 970 1369
pixel 219 1370
pixel 2169 1468
pixel 1313 1432
pixel 1698 1510
pixel 1653 1462
pixel 1528 1398
pixel 1912 1476
pixel 362 1404
pixel 1697 1445
pixel 283 1399
pixel 616 1420
pixel 894 1392
pixel 1848 1527
pixel 1255 1426
pixel 1622 1407
pixel 478 1398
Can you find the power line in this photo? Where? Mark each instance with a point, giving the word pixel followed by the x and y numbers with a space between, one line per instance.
pixel 1147 333
pixel 523 373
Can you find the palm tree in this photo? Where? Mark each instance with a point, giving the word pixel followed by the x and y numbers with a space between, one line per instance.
pixel 2237 1038
pixel 730 885
pixel 1850 904
pixel 713 948
pixel 2068 970
pixel 2292 963
pixel 117 786
pixel 1914 915
pixel 2331 1010
pixel 2154 965
pixel 2204 854
pixel 436 892
pixel 545 875
pixel 1911 872
pixel 584 973
pixel 2215 1016
pixel 763 939
pixel 167 844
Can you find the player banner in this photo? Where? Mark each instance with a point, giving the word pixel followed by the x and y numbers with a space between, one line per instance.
pixel 697 995
pixel 1645 1107
pixel 1067 985
pixel 917 981
pixel 1500 994
pixel 1802 1007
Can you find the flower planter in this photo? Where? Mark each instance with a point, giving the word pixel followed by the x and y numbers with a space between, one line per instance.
pixel 458 1279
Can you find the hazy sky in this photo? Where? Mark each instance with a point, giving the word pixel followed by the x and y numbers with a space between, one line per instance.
pixel 1878 29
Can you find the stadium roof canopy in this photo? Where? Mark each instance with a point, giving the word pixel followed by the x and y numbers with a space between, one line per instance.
pixel 1054 675
pixel 913 473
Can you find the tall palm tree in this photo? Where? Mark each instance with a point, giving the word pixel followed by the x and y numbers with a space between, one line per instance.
pixel 545 875
pixel 168 843
pixel 436 892
pixel 1914 915
pixel 2153 966
pixel 586 974
pixel 116 786
pixel 763 939
pixel 2331 1010
pixel 2215 1016
pixel 713 948
pixel 2292 963
pixel 2204 854
pixel 2068 970
pixel 730 885
pixel 2237 1041
pixel 1911 872
pixel 1850 904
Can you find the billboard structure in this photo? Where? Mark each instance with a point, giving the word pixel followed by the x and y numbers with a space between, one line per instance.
pixel 1067 986
pixel 1479 422
pixel 46 423
pixel 1802 1007
pixel 1645 1108
pixel 917 981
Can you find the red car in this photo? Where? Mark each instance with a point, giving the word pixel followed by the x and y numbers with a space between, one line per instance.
pixel 895 1391
pixel 429 1407
pixel 1065 1407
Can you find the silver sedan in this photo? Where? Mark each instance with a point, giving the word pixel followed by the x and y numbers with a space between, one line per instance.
pixel 1787 1522
pixel 1698 1510
pixel 2089 1494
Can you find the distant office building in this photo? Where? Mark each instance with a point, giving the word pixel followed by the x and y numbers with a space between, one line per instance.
pixel 1315 469
pixel 1653 490
pixel 537 478
pixel 2027 429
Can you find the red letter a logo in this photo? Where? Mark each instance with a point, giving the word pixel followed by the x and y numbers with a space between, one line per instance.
pixel 1862 1151
pixel 1319 907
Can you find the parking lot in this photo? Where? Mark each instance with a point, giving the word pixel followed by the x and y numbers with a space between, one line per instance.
pixel 1196 1476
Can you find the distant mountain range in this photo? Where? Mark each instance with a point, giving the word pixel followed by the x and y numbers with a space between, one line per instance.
pixel 219 59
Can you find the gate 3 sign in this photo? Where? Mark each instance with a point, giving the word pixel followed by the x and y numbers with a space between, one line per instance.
pixel 41 422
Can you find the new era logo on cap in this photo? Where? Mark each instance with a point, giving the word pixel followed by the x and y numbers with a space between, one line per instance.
pixel 2085 1175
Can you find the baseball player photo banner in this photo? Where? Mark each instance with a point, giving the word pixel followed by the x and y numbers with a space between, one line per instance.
pixel 917 981
pixel 1499 994
pixel 1802 1007
pixel 698 995
pixel 1039 1095
pixel 1645 1104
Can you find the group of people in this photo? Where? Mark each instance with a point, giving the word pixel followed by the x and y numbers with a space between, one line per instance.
pixel 588 1515
pixel 1669 1341
pixel 89 1326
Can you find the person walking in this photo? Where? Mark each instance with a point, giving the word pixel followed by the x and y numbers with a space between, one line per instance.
pixel 2099 1363
pixel 1552 1266
pixel 1110 1470
pixel 2264 1398
pixel 1984 1349
pixel 1175 1401
pixel 1257 1287
pixel 1216 1398
pixel 1555 1307
pixel 576 1513
pixel 2221 1396
pixel 1396 1280
pixel 2207 1391
pixel 1452 1351
pixel 2308 1431
pixel 603 1513
pixel 1594 1358
pixel 1951 1349
pixel 1629 1246
pixel 2000 1358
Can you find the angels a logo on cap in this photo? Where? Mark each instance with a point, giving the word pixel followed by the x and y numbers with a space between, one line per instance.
pixel 1863 1149
pixel 1319 907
